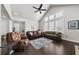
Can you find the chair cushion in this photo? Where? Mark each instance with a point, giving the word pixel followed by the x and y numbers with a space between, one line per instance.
pixel 15 36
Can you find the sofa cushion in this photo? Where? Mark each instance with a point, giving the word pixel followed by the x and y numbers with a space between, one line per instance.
pixel 51 35
pixel 35 33
pixel 39 32
pixel 31 33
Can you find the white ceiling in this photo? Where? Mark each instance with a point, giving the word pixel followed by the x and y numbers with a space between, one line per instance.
pixel 4 13
pixel 27 11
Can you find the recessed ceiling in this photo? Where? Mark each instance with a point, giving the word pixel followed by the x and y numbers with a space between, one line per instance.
pixel 27 11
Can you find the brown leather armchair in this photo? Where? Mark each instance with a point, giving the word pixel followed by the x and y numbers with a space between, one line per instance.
pixel 15 37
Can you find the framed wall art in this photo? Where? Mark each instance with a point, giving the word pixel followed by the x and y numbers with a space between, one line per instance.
pixel 73 24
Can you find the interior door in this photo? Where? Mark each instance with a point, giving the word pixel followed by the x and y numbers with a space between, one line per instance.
pixel 17 27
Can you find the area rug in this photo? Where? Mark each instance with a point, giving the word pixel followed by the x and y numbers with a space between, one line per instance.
pixel 39 43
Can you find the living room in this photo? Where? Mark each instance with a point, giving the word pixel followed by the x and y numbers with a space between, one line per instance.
pixel 55 23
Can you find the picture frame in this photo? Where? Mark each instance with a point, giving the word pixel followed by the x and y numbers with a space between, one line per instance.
pixel 73 24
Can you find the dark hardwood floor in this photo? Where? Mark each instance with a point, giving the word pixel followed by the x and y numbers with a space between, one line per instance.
pixel 53 48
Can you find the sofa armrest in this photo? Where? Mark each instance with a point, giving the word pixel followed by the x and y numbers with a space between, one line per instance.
pixel 59 35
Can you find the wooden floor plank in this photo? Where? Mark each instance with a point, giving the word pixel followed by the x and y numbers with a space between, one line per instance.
pixel 53 48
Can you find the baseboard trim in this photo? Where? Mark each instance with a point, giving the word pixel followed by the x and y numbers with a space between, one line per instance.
pixel 76 42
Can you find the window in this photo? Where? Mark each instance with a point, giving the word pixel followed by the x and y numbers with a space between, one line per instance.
pixel 54 22
pixel 51 26
pixel 51 23
pixel 51 17
pixel 46 24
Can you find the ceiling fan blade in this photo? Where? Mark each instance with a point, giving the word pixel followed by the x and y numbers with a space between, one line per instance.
pixel 43 9
pixel 40 12
pixel 36 11
pixel 40 6
pixel 35 7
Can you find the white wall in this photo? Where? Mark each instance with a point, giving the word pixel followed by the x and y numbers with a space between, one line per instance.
pixel 10 25
pixel 4 26
pixel 41 24
pixel 28 23
pixel 4 21
pixel 70 12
